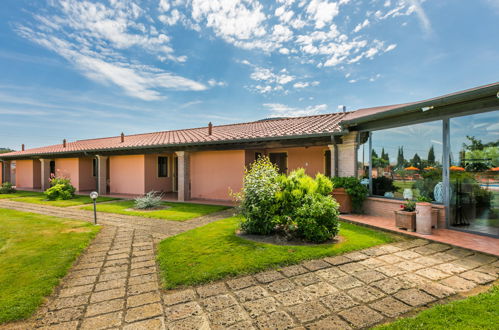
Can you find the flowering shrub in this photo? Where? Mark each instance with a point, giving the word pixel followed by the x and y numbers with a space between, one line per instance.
pixel 296 206
pixel 6 188
pixel 60 188
pixel 151 200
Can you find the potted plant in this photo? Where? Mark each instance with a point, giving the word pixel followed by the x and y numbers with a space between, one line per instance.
pixel 434 212
pixel 406 217
pixel 349 193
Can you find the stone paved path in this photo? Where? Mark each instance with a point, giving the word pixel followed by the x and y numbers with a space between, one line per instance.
pixel 115 285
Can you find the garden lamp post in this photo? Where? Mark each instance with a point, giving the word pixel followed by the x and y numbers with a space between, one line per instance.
pixel 94 195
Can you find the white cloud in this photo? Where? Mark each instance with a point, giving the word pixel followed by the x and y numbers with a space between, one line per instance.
pixel 390 47
pixel 213 83
pixel 322 12
pixel 421 14
pixel 301 85
pixel 360 26
pixel 281 110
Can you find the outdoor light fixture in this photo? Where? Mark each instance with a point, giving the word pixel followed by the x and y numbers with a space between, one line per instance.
pixel 426 108
pixel 94 195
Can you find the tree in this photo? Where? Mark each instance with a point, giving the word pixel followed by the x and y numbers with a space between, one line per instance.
pixel 5 150
pixel 416 161
pixel 384 155
pixel 400 158
pixel 374 154
pixel 431 156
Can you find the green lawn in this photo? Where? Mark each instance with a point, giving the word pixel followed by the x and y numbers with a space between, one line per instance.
pixel 478 312
pixel 214 251
pixel 77 200
pixel 35 252
pixel 21 193
pixel 176 212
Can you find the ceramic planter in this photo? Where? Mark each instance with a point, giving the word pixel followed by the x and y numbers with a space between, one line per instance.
pixel 344 199
pixel 423 218
pixel 405 220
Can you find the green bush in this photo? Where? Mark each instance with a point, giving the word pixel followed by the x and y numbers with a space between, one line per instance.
pixel 257 199
pixel 296 206
pixel 60 188
pixel 7 188
pixel 357 191
pixel 382 184
pixel 151 200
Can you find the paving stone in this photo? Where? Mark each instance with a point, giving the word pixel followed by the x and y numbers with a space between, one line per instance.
pixel 118 262
pixel 241 282
pixel 281 286
pixel 408 255
pixel 114 269
pixel 142 279
pixel 432 273
pixel 481 258
pixel 427 261
pixel 143 299
pixel 374 252
pixel 269 276
pixel 356 256
pixel 142 288
pixel 330 322
pixel 143 312
pixel 478 277
pixel 89 265
pixel 260 306
pixel 444 256
pixel 195 322
pixel 72 325
pixel 107 295
pixel 372 263
pixel 251 293
pixel 458 283
pixel 330 274
pixel 309 311
pixel 390 258
pixel 61 303
pixel 142 264
pixel 361 316
pixel 293 297
pixel 365 293
pixel 105 307
pixel 336 261
pixel 306 279
pixel 338 302
pixel 390 307
pixel 320 289
pixel 347 282
pixel 244 325
pixel 451 268
pixel 143 271
pixel 76 290
pixel 118 256
pixel 488 269
pixel 102 321
pixel 439 247
pixel 228 316
pixel 113 276
pixel 391 270
pixel 215 303
pixel 424 250
pixel 84 272
pixel 177 297
pixel 152 324
pixel 437 290
pixel 181 311
pixel 352 267
pixel 63 315
pixel 414 297
pixel 112 284
pixel 409 266
pixel 293 270
pixel 211 289
pixel 277 320
pixel 71 282
pixel 369 276
pixel 459 252
pixel 314 265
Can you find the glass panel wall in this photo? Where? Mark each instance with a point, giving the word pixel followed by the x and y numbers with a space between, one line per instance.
pixel 474 173
pixel 407 162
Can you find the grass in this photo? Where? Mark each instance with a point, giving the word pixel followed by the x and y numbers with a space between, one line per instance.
pixel 175 212
pixel 35 252
pixel 21 193
pixel 478 312
pixel 77 200
pixel 214 251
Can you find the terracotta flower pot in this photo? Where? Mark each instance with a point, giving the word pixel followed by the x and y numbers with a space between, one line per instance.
pixel 344 199
pixel 423 218
pixel 405 220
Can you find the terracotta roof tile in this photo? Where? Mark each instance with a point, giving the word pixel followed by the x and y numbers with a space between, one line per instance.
pixel 269 128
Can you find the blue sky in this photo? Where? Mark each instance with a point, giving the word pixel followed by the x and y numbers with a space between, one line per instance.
pixel 83 69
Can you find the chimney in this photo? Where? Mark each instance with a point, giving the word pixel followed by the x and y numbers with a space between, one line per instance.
pixel 344 108
pixel 122 137
pixel 64 143
pixel 210 128
pixel 22 147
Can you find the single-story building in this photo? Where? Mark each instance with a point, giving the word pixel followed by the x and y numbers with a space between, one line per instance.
pixel 444 149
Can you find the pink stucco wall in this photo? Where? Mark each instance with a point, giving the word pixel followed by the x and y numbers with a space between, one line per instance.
pixel 213 173
pixel 68 168
pixel 309 158
pixel 152 181
pixel 28 174
pixel 86 179
pixel 126 174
